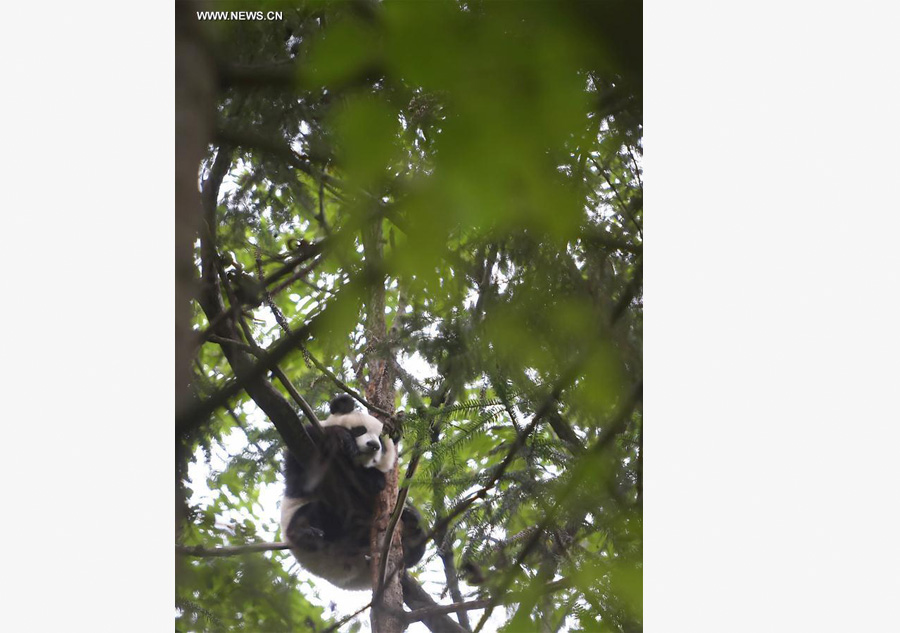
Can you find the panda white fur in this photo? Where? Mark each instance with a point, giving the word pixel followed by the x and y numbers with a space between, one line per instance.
pixel 328 505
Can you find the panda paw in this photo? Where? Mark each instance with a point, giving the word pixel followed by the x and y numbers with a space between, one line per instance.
pixel 339 441
pixel 413 536
pixel 307 538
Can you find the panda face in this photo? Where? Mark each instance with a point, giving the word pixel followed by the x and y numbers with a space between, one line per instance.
pixel 369 443
pixel 375 451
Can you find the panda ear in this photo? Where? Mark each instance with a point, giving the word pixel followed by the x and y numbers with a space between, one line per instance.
pixel 388 454
pixel 342 405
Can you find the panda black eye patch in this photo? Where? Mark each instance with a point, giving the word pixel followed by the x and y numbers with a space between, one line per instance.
pixel 356 431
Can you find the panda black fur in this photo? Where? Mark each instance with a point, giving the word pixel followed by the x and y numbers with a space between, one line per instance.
pixel 326 512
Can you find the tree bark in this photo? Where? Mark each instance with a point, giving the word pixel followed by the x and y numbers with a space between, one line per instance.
pixel 386 615
pixel 194 113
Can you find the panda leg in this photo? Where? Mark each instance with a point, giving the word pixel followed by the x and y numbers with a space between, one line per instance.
pixel 413 536
pixel 305 529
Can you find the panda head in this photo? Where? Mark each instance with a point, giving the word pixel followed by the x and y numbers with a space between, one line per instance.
pixel 375 451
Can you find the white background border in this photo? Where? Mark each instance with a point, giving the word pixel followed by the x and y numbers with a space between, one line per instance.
pixel 771 317
pixel 87 316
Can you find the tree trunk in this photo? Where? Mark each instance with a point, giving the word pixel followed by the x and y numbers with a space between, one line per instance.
pixel 385 617
pixel 194 112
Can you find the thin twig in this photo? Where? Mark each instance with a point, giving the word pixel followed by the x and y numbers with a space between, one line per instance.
pixel 315 287
pixel 239 344
pixel 629 293
pixel 257 351
pixel 388 537
pixel 322 222
pixel 457 607
pixel 234 416
pixel 346 388
pixel 544 409
pixel 283 323
pixel 637 170
pixel 344 620
pixel 300 275
pixel 626 211
pixel 616 425
pixel 201 336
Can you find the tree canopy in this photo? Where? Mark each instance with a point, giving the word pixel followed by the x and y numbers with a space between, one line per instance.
pixel 436 207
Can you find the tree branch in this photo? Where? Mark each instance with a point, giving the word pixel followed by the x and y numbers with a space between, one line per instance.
pixel 229 550
pixel 388 539
pixel 344 386
pixel 283 323
pixel 417 598
pixel 256 351
pixel 282 74
pixel 249 374
pixel 442 609
pixel 279 149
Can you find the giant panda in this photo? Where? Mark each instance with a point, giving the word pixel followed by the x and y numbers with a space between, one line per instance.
pixel 328 504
